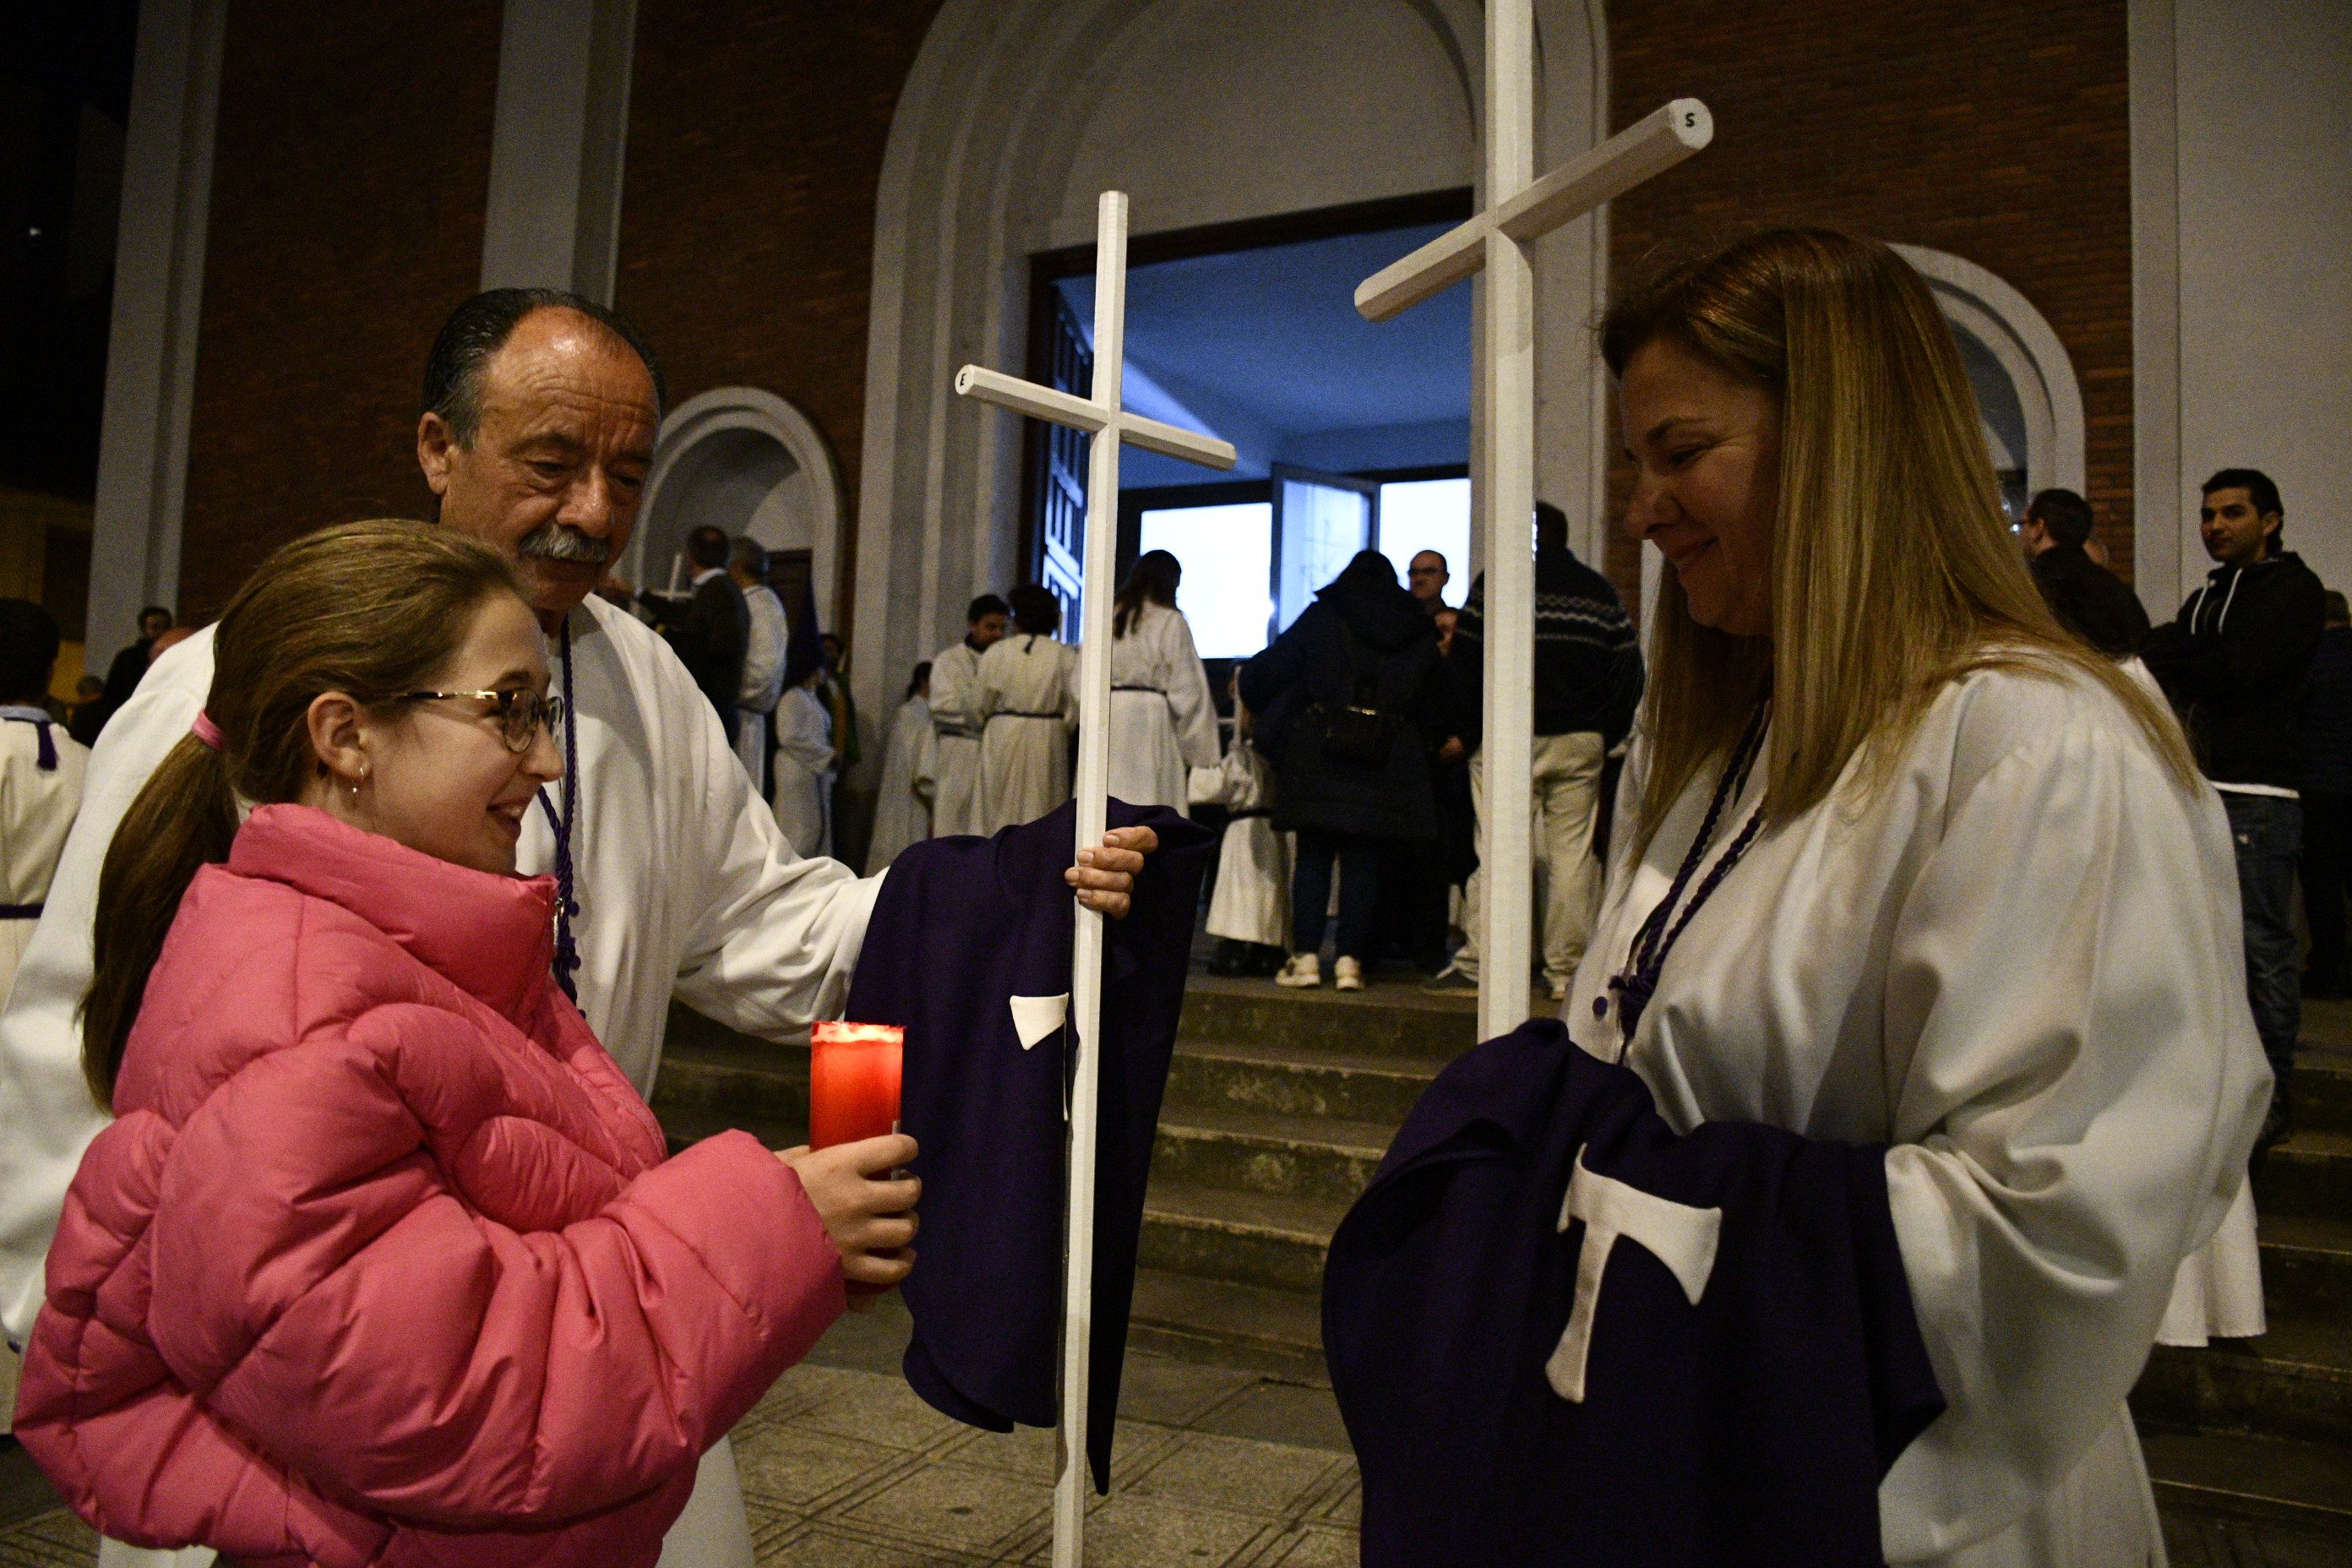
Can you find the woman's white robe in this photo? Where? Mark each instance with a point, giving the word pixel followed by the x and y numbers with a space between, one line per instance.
pixel 2017 962
pixel 1025 760
pixel 1163 720
pixel 804 771
pixel 902 806
pixel 1251 901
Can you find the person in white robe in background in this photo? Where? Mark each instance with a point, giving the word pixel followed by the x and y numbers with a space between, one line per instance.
pixel 41 770
pixel 1163 720
pixel 763 661
pixel 684 884
pixel 1027 698
pixel 804 801
pixel 902 805
pixel 955 715
pixel 1985 913
pixel 1251 900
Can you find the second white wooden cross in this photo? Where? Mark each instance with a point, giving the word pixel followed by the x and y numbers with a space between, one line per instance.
pixel 1102 416
pixel 1520 210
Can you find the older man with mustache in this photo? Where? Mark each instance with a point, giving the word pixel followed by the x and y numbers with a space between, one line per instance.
pixel 541 410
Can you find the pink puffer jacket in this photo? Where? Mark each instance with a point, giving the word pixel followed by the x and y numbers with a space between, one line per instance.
pixel 380 1262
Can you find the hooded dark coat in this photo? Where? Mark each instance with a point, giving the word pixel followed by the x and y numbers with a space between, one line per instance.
pixel 1363 644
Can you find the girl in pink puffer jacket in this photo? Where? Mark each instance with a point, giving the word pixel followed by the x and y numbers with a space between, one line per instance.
pixel 380 1262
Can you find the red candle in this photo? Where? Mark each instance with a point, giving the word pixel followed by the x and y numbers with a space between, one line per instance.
pixel 852 1082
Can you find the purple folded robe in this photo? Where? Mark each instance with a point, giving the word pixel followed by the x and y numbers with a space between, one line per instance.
pixel 1751 1424
pixel 961 926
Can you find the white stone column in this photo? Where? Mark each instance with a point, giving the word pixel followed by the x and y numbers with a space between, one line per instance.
pixel 553 218
pixel 151 357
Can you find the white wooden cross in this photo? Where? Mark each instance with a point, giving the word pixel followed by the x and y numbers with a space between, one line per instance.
pixel 1109 423
pixel 1520 210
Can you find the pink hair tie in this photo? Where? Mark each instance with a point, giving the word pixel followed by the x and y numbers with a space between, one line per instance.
pixel 205 731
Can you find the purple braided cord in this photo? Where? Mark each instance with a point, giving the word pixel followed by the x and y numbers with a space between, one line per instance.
pixel 567 907
pixel 1659 932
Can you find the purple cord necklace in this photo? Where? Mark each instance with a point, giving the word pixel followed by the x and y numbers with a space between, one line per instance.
pixel 567 907
pixel 1638 981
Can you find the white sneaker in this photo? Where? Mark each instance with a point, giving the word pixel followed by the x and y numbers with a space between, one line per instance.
pixel 1350 975
pixel 1303 969
pixel 1560 990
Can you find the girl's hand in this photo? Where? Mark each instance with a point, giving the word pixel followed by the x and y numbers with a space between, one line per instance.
pixel 868 1216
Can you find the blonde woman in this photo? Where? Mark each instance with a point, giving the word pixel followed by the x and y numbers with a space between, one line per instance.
pixel 1901 863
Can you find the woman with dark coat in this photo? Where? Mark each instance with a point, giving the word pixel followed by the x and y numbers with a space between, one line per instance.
pixel 1345 701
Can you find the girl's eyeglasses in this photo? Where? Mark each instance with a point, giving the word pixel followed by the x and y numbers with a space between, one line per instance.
pixel 521 710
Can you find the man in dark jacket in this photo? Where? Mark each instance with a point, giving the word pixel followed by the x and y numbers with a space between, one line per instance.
pixel 1346 703
pixel 2327 801
pixel 2233 664
pixel 2088 600
pixel 716 631
pixel 1588 683
pixel 129 666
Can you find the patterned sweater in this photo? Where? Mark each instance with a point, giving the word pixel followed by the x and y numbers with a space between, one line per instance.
pixel 1588 663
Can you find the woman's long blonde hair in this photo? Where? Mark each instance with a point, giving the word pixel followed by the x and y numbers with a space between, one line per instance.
pixel 1893 568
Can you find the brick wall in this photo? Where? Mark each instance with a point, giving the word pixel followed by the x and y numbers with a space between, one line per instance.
pixel 756 134
pixel 1995 129
pixel 348 180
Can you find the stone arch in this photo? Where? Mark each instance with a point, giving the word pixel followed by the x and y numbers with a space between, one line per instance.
pixel 1017 111
pixel 1993 315
pixel 749 462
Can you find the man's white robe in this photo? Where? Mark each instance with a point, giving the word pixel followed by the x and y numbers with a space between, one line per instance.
pixel 764 681
pixel 1163 720
pixel 2018 963
pixel 804 771
pixel 902 805
pixel 685 884
pixel 955 715
pixel 1027 697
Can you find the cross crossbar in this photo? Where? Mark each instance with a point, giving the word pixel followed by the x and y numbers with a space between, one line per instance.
pixel 1061 407
pixel 1642 151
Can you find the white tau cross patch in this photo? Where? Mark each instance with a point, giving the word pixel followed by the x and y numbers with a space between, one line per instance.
pixel 1678 1235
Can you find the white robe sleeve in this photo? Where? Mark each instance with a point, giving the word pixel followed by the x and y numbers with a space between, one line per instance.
pixel 2076 1085
pixel 777 936
pixel 763 653
pixel 45 1104
pixel 954 694
pixel 1189 703
pixel 1069 658
pixel 923 773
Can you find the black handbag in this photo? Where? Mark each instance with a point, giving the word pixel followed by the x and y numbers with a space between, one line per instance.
pixel 1361 737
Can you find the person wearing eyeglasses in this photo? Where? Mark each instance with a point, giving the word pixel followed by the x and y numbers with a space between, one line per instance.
pixel 416 1279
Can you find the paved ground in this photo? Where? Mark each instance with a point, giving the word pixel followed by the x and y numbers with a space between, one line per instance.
pixel 843 1468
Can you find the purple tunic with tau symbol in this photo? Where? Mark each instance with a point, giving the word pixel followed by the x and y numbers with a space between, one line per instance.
pixel 1560 1333
pixel 962 926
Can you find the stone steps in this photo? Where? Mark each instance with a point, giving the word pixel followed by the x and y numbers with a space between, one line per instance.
pixel 1280 1104
pixel 2294 1381
pixel 1284 1078
pixel 2259 1479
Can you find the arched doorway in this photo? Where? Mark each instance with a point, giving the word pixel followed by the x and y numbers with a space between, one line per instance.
pixel 747 462
pixel 1207 112
pixel 2025 384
